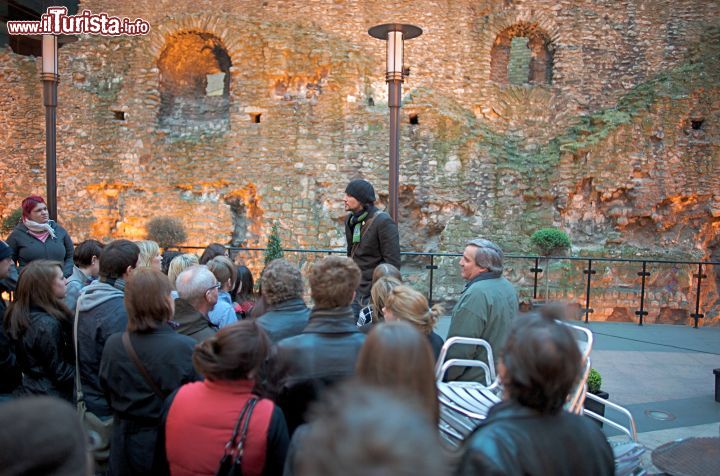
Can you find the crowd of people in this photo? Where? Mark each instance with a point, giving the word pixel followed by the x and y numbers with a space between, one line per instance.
pixel 176 365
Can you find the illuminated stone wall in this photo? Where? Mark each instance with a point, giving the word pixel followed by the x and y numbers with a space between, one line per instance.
pixel 233 114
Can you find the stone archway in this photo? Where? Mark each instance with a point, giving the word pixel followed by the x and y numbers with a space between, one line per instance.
pixel 522 54
pixel 194 84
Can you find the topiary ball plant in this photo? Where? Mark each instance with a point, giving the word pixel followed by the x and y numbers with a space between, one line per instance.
pixel 594 381
pixel 166 231
pixel 550 241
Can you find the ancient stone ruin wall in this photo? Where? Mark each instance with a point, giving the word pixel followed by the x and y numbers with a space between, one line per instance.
pixel 599 117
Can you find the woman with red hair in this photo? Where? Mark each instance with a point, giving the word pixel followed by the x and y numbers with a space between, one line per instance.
pixel 38 237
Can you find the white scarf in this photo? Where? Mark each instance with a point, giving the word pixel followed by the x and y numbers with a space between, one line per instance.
pixel 36 227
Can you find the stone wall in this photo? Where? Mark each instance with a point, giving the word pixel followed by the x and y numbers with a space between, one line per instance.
pixel 613 137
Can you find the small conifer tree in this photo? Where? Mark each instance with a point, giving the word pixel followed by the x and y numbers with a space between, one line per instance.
pixel 274 247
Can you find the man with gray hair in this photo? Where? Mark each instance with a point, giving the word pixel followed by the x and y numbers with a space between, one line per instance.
pixel 198 291
pixel 282 289
pixel 485 308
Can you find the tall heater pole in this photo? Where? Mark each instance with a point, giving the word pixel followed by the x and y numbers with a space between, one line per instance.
pixel 50 88
pixel 395 34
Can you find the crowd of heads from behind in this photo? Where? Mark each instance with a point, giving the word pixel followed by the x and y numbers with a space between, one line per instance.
pixel 160 350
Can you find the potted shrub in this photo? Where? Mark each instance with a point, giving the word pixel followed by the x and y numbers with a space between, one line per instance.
pixel 594 382
pixel 550 242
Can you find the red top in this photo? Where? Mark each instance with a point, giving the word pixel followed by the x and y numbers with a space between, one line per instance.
pixel 201 421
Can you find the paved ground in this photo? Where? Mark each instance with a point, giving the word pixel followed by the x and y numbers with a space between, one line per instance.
pixel 659 368
pixel 663 374
pixel 658 371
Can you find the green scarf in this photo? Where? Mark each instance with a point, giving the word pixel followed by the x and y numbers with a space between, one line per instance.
pixel 356 225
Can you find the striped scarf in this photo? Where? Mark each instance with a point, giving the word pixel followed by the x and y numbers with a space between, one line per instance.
pixel 40 230
pixel 356 222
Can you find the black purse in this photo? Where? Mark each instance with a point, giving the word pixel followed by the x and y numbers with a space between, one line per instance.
pixel 231 462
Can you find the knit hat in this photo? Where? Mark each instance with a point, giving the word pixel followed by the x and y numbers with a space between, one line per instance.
pixel 5 250
pixel 361 190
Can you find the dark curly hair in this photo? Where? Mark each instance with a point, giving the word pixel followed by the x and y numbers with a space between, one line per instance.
pixel 281 281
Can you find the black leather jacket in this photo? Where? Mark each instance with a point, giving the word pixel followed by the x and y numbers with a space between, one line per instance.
pixel 9 372
pixel 324 354
pixel 45 356
pixel 285 319
pixel 517 440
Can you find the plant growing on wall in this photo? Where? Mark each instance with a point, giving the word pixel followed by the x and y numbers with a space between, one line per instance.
pixel 550 242
pixel 10 221
pixel 166 231
pixel 274 247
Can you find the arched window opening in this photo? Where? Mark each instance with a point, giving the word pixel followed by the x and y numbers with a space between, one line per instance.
pixel 194 83
pixel 522 54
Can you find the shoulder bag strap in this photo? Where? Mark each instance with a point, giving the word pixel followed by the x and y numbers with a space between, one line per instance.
pixel 230 457
pixel 243 436
pixel 136 360
pixel 78 384
pixel 232 442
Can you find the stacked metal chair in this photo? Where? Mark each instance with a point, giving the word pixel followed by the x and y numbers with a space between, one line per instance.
pixel 464 405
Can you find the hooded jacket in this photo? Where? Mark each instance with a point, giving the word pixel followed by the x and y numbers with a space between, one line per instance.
pixel 75 285
pixel 101 313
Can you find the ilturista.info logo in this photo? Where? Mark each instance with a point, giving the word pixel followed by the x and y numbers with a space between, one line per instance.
pixel 56 21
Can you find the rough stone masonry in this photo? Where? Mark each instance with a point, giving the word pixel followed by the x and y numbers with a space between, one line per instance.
pixel 600 117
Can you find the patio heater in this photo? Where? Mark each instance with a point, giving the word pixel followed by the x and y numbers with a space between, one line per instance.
pixel 395 34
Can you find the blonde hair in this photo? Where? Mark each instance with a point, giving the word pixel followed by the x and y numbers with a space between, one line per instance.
pixel 378 295
pixel 409 305
pixel 180 264
pixel 148 250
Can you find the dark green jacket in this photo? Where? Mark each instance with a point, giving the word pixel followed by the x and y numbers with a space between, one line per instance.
pixel 485 310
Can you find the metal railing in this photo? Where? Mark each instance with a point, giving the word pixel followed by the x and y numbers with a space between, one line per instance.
pixel 534 267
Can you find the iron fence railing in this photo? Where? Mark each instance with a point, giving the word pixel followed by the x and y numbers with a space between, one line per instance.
pixel 534 267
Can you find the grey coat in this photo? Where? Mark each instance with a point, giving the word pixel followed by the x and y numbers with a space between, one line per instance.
pixel 285 319
pixel 27 248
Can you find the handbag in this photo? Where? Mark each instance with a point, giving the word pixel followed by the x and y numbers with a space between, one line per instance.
pixel 99 430
pixel 231 462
